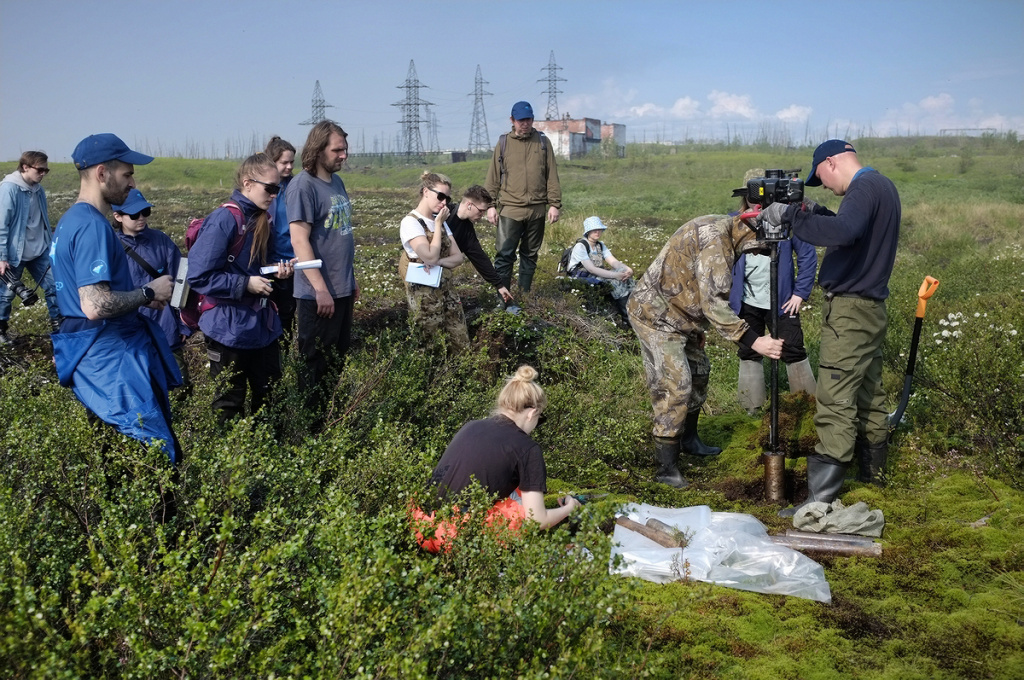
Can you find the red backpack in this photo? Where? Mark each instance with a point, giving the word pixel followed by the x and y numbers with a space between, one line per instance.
pixel 197 303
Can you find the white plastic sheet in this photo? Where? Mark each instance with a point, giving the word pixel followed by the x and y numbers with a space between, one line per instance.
pixel 726 548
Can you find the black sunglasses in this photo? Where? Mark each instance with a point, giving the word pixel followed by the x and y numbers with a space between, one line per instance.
pixel 145 212
pixel 443 196
pixel 41 171
pixel 271 187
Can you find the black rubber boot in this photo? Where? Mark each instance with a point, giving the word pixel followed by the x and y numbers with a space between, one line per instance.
pixel 825 477
pixel 690 442
pixel 667 453
pixel 622 304
pixel 5 339
pixel 872 458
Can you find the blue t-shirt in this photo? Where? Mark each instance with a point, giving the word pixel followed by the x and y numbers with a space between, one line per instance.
pixel 326 207
pixel 86 251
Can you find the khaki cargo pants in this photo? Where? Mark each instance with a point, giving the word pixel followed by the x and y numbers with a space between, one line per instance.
pixel 851 402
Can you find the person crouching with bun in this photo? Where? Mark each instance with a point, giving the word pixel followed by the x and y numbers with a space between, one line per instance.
pixel 499 454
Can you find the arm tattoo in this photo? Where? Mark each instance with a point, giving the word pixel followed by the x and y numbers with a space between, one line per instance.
pixel 111 303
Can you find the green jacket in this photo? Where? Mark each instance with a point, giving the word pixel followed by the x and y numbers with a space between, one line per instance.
pixel 530 177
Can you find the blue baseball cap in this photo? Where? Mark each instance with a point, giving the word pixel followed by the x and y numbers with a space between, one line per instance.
pixel 96 149
pixel 135 202
pixel 521 110
pixel 832 147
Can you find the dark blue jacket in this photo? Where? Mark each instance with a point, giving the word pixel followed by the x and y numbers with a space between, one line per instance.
pixel 240 320
pixel 160 252
pixel 807 261
pixel 860 239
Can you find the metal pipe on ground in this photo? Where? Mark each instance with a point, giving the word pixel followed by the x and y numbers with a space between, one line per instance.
pixel 827 546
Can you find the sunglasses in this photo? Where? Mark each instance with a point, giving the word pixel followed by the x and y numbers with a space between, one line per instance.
pixel 443 196
pixel 271 187
pixel 145 212
pixel 41 171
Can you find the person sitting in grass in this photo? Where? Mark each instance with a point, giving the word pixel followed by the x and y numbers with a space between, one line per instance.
pixel 591 261
pixel 499 454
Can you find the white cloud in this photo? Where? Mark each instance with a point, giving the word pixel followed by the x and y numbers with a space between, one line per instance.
pixel 685 107
pixel 646 110
pixel 934 113
pixel 794 114
pixel 937 104
pixel 726 105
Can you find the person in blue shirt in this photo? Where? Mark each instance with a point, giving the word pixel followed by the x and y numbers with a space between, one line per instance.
pixel 750 299
pixel 283 155
pixel 151 254
pixel 242 328
pixel 115 360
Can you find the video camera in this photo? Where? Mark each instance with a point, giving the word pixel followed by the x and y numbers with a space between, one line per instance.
pixel 28 297
pixel 777 186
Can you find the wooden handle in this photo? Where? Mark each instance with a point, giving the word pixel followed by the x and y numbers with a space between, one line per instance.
pixel 660 537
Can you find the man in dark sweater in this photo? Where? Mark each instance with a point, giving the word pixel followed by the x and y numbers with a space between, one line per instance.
pixel 851 418
pixel 475 202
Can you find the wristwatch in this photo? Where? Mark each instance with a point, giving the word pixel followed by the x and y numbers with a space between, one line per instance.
pixel 149 293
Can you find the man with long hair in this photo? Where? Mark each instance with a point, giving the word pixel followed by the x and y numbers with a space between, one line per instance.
pixel 321 229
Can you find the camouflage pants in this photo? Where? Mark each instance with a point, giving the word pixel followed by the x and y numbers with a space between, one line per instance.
pixel 433 310
pixel 677 371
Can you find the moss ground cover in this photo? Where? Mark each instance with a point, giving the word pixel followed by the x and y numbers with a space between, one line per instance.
pixel 291 556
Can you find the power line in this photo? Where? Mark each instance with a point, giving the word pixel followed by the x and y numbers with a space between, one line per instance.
pixel 318 106
pixel 479 139
pixel 410 107
pixel 552 92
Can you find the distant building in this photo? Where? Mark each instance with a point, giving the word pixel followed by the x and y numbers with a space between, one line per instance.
pixel 574 138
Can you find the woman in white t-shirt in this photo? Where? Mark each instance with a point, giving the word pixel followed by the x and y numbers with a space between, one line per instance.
pixel 594 263
pixel 427 244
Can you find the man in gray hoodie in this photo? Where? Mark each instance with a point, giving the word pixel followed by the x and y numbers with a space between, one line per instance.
pixel 25 235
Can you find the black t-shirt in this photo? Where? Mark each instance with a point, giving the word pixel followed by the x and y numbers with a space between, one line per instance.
pixel 469 243
pixel 496 453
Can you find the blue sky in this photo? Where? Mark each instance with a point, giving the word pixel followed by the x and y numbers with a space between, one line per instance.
pixel 169 74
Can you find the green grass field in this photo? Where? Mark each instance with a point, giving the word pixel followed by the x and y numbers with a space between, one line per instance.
pixel 291 555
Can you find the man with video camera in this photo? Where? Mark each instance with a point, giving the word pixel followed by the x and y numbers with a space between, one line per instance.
pixel 861 239
pixel 685 288
pixel 25 237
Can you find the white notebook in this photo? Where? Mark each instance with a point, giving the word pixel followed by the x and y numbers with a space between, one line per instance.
pixel 417 274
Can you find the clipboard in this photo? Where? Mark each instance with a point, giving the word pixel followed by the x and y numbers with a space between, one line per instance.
pixel 416 274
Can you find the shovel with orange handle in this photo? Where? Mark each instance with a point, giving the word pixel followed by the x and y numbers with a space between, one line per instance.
pixel 928 288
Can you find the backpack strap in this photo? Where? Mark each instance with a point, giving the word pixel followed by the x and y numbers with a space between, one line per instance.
pixel 501 155
pixel 501 161
pixel 235 247
pixel 130 252
pixel 426 233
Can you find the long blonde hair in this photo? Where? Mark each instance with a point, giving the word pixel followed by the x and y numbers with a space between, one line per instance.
pixel 257 164
pixel 521 392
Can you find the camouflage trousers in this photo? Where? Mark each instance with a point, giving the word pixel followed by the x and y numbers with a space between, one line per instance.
pixel 436 314
pixel 677 371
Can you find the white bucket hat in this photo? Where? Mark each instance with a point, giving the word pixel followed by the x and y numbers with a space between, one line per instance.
pixel 593 223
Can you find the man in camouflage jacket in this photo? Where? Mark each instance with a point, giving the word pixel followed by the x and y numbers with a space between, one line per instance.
pixel 686 287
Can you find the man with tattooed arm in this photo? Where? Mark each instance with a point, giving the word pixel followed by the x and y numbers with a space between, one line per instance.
pixel 115 360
